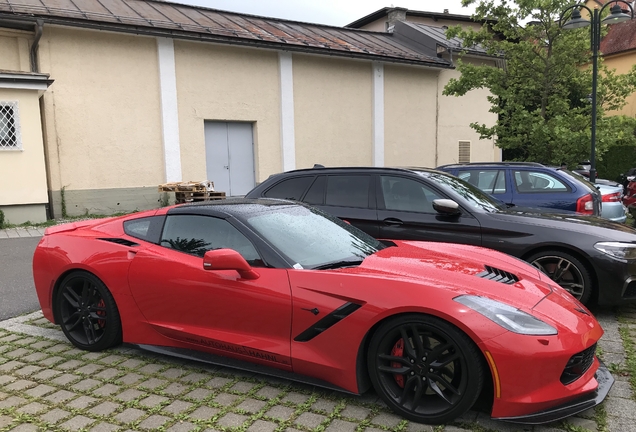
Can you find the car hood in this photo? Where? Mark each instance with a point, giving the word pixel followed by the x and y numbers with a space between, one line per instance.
pixel 575 222
pixel 461 268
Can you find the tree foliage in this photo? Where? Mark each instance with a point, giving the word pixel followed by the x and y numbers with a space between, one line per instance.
pixel 541 92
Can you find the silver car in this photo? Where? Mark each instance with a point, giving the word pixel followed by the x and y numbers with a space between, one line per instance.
pixel 612 207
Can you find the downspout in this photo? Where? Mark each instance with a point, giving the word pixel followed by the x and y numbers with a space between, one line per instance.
pixel 35 67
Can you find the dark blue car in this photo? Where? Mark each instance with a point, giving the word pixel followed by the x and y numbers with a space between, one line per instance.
pixel 525 184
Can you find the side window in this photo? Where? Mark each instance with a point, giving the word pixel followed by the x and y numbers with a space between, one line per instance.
pixel 148 228
pixel 537 182
pixel 196 235
pixel 404 194
pixel 292 188
pixel 489 181
pixel 316 193
pixel 348 191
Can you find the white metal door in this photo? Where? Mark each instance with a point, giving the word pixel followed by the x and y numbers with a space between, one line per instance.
pixel 229 156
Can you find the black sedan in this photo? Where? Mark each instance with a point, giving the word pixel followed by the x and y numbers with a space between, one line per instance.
pixel 594 259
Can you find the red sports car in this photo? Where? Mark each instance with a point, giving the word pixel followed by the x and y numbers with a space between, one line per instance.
pixel 281 288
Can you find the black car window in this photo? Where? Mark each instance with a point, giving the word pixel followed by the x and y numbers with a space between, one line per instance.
pixel 316 193
pixel 196 235
pixel 348 190
pixel 292 188
pixel 148 228
pixel 528 181
pixel 490 181
pixel 403 194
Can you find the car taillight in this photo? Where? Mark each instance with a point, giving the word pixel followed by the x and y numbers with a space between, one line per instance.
pixel 585 204
pixel 615 197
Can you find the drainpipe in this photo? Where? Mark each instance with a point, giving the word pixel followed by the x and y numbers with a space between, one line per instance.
pixel 35 67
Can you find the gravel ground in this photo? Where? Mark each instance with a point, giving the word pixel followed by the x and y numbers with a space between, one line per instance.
pixel 46 384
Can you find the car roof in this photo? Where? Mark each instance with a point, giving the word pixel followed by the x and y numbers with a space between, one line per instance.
pixel 322 169
pixel 517 164
pixel 232 206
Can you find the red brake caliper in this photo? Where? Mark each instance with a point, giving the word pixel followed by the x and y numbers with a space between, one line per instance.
pixel 101 304
pixel 398 351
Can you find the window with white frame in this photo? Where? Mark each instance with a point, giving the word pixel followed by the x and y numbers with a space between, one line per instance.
pixel 9 126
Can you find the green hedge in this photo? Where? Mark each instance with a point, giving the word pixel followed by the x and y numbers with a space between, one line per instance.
pixel 616 162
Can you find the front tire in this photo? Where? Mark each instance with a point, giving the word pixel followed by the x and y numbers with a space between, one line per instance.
pixel 565 270
pixel 87 312
pixel 425 369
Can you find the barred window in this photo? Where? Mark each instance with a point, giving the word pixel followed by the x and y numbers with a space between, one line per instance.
pixel 9 126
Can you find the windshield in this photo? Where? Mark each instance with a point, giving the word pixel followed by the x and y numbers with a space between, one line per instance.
pixel 310 238
pixel 463 192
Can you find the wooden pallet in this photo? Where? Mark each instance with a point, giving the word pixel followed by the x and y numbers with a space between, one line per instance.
pixel 184 197
pixel 191 186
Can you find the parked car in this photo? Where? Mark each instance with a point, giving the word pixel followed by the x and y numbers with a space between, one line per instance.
pixel 612 207
pixel 527 184
pixel 279 287
pixel 588 256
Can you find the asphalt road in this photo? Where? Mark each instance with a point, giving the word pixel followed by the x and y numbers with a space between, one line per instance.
pixel 17 292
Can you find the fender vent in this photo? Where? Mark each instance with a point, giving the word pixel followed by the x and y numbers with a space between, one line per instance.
pixel 497 275
pixel 120 241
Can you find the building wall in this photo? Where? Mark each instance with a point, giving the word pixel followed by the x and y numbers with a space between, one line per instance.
pixel 14 50
pixel 623 63
pixel 454 118
pixel 410 112
pixel 23 192
pixel 227 83
pixel 102 116
pixel 332 111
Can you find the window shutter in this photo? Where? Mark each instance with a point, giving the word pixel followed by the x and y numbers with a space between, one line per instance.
pixel 464 152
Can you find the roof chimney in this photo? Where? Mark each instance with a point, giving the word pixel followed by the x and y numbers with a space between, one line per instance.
pixel 394 15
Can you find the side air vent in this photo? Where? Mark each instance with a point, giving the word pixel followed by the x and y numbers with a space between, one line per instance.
pixel 120 241
pixel 497 275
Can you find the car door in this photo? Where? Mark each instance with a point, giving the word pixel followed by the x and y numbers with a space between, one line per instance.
pixel 536 188
pixel 213 310
pixel 350 197
pixel 405 212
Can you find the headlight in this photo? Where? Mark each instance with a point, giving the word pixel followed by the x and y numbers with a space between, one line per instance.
pixel 508 317
pixel 618 250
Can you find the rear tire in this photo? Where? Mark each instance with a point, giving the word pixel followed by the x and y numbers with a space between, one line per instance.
pixel 425 369
pixel 87 312
pixel 566 270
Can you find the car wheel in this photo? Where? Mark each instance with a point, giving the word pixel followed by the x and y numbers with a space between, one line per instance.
pixel 87 312
pixel 565 270
pixel 425 369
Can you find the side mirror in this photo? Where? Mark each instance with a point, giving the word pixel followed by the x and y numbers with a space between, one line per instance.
pixel 446 207
pixel 228 259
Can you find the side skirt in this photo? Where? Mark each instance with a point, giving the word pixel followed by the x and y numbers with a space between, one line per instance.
pixel 239 364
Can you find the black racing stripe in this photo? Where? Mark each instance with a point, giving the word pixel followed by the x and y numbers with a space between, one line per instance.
pixel 333 318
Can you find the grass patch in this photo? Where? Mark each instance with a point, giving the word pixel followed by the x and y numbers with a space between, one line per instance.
pixel 630 355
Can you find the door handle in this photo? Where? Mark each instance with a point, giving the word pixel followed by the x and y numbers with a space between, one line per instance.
pixel 392 222
pixel 226 166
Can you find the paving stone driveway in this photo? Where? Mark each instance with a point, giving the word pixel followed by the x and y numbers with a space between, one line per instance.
pixel 47 385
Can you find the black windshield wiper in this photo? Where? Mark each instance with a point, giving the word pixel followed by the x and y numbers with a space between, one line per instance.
pixel 338 264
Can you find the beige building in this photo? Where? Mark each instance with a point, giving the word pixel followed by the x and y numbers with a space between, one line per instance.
pixel 102 101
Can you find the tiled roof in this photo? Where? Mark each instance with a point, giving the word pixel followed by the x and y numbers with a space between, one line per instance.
pixel 620 37
pixel 183 21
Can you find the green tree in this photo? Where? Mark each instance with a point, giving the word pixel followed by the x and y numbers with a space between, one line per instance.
pixel 541 95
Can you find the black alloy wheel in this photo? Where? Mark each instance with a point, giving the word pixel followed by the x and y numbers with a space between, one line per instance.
pixel 425 369
pixel 87 312
pixel 565 270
